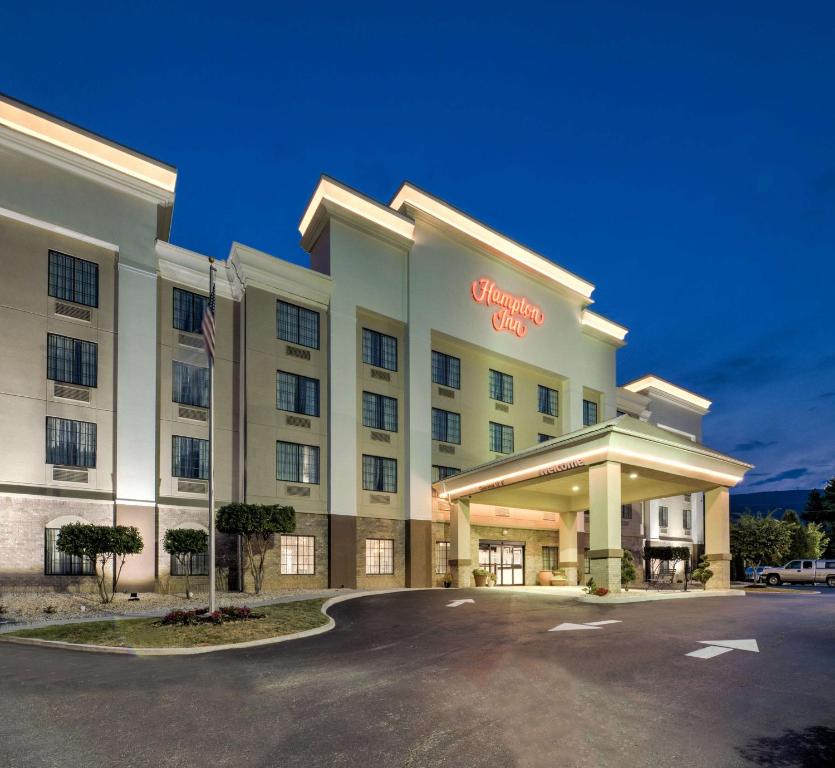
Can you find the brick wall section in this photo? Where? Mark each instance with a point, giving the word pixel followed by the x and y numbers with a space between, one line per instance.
pixel 22 524
pixel 375 528
pixel 307 524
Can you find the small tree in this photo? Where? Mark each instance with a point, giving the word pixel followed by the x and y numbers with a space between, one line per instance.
pixel 107 547
pixel 256 524
pixel 627 569
pixel 702 572
pixel 181 544
pixel 807 541
pixel 759 540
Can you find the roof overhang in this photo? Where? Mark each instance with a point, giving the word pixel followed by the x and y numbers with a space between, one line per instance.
pixel 655 386
pixel 331 198
pixel 602 328
pixel 553 475
pixel 410 199
pixel 58 141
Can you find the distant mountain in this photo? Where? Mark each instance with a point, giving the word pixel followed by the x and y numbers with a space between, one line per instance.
pixel 766 501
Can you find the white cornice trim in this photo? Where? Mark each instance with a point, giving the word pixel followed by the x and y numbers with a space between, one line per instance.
pixel 84 167
pixel 259 269
pixel 654 386
pixel 191 269
pixel 411 197
pixel 599 326
pixel 57 229
pixel 331 198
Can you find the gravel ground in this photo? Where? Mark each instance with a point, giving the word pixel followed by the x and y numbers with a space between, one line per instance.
pixel 31 607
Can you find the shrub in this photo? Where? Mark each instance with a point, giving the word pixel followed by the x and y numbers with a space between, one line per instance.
pixel 590 586
pixel 627 569
pixel 481 572
pixel 182 543
pixel 107 546
pixel 702 572
pixel 256 524
pixel 601 591
pixel 228 613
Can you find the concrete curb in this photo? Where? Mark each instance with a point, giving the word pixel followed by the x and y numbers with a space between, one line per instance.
pixel 626 598
pixel 119 651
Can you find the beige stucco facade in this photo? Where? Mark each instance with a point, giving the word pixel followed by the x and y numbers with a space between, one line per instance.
pixel 420 277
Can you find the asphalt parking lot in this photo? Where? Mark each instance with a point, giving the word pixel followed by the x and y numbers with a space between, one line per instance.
pixel 405 680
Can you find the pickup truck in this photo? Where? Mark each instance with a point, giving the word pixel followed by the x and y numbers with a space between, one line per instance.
pixel 800 572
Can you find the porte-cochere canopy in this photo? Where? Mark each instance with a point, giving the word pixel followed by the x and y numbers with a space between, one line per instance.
pixel 598 468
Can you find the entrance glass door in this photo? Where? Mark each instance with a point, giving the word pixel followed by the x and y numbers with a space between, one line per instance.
pixel 505 559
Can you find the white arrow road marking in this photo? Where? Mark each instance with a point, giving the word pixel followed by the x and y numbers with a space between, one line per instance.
pixel 738 645
pixel 456 603
pixel 601 623
pixel 718 647
pixel 566 626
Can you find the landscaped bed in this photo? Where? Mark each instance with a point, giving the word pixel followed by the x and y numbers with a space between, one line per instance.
pixel 281 619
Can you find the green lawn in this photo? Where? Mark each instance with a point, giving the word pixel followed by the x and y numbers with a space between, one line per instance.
pixel 281 619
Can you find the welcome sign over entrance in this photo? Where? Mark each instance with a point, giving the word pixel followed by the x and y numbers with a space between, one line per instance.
pixel 514 313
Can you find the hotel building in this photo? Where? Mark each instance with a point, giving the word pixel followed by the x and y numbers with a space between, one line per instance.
pixel 428 394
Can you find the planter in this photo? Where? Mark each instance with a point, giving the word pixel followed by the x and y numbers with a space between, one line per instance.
pixel 544 578
pixel 559 582
pixel 481 580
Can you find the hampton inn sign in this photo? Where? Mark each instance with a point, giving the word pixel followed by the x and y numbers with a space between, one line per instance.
pixel 513 312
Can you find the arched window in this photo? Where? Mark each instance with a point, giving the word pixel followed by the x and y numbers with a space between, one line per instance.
pixel 57 563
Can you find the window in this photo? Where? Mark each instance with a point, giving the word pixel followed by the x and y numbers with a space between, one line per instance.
pixel 188 310
pixel 441 557
pixel 807 563
pixel 297 555
pixel 446 426
pixel 298 325
pixel 543 438
pixel 190 457
pixel 379 350
pixel 663 517
pixel 70 443
pixel 586 562
pixel 550 558
pixel 379 474
pixel 794 564
pixel 442 473
pixel 589 413
pixel 57 563
pixel 501 438
pixel 71 361
pixel 73 279
pixel 197 564
pixel 547 400
pixel 190 385
pixel 501 386
pixel 297 394
pixel 686 519
pixel 625 511
pixel 379 412
pixel 379 556
pixel 296 463
pixel 446 370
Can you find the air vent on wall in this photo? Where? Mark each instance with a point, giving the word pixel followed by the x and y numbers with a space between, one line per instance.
pixel 549 516
pixel 381 375
pixel 297 490
pixel 302 354
pixel 73 311
pixel 297 421
pixel 67 392
pixel 379 498
pixel 381 437
pixel 443 448
pixel 548 419
pixel 195 414
pixel 190 340
pixel 502 512
pixel 192 486
pixel 69 475
pixel 502 407
pixel 444 392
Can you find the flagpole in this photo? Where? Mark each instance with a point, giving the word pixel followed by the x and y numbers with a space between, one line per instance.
pixel 211 356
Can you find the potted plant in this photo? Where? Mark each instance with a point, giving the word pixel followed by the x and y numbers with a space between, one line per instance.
pixel 491 579
pixel 543 577
pixel 558 578
pixel 448 579
pixel 481 575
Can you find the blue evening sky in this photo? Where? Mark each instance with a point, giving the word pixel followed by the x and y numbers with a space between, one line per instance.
pixel 681 156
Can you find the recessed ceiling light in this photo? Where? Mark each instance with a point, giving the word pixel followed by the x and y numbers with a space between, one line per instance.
pixel 575 488
pixel 633 475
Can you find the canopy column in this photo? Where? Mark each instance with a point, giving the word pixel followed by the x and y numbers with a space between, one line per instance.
pixel 568 546
pixel 717 537
pixel 460 557
pixel 605 550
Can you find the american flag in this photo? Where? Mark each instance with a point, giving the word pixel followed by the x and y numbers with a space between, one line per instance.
pixel 209 323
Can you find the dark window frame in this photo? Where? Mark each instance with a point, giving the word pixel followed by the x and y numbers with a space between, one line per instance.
pixel 67 565
pixel 194 384
pixel 374 352
pixel 53 426
pixel 198 449
pixel 379 571
pixel 550 403
pixel 80 362
pixel 55 283
pixel 502 431
pixel 188 318
pixel 307 333
pixel 446 370
pixel 381 473
pixel 298 405
pixel 503 392
pixel 299 462
pixel 588 407
pixel 297 561
pixel 374 411
pixel 442 419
